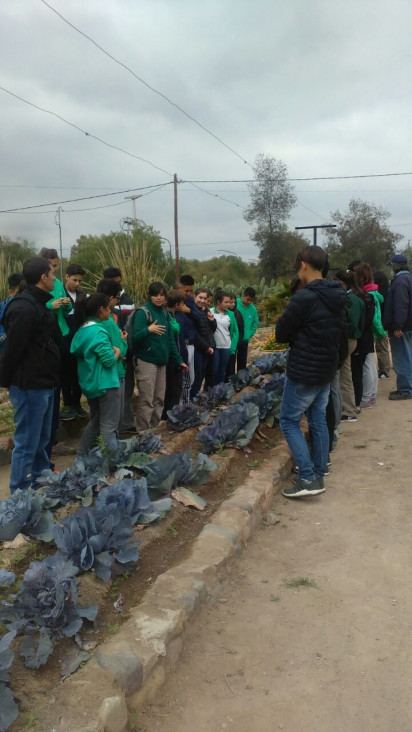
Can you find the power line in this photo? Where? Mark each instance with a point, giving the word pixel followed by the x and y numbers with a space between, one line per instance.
pixel 277 180
pixel 215 195
pixel 142 81
pixel 79 129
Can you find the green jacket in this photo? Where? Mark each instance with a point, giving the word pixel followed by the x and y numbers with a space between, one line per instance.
pixel 378 329
pixel 116 340
pixel 233 330
pixel 250 317
pixel 355 308
pixel 57 292
pixel 96 362
pixel 147 346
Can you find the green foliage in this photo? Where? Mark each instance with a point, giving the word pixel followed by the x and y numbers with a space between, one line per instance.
pixel 12 256
pixel 278 252
pixel 362 233
pixel 263 289
pixel 228 268
pixel 275 302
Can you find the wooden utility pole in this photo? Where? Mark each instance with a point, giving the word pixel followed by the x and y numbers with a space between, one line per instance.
pixel 177 274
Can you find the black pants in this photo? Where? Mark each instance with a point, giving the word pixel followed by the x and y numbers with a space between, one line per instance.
pixel 209 378
pixel 242 355
pixel 174 385
pixel 71 390
pixel 357 361
pixel 231 366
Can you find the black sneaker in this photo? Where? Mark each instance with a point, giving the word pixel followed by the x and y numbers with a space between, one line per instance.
pixel 396 396
pixel 67 414
pixel 81 412
pixel 303 488
pixel 345 418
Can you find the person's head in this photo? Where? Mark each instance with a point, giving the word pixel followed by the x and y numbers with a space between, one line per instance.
pixel 112 289
pixel 352 266
pixel 113 273
pixel 39 271
pixel 310 264
pixel 248 295
pixel 232 300
pixel 200 297
pixel 209 298
pixel 14 280
pixel 399 263
pixel 52 256
pixel 382 281
pixel 363 274
pixel 174 300
pixel 157 293
pixel 96 307
pixel 222 299
pixel 73 277
pixel 186 285
pixel 345 278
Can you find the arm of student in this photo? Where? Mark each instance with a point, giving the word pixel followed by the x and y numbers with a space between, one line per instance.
pixel 140 327
pixel 254 323
pixel 289 323
pixel 20 327
pixel 174 353
pixel 234 334
pixel 103 347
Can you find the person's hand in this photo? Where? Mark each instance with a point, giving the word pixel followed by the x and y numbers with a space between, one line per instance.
pixel 209 351
pixel 210 315
pixel 397 333
pixel 184 366
pixel 183 308
pixel 158 329
pixel 57 304
pixel 116 351
pixel 123 335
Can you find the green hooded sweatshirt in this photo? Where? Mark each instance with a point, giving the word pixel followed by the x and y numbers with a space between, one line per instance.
pixel 116 340
pixel 57 292
pixel 150 347
pixel 250 318
pixel 96 361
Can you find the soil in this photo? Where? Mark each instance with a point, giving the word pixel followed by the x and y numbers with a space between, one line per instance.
pixel 311 629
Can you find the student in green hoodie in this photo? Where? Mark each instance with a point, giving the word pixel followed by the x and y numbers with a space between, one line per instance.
pixel 118 337
pixel 250 318
pixel 97 369
pixel 153 346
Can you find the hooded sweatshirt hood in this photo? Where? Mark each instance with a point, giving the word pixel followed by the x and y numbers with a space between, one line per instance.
pixel 331 292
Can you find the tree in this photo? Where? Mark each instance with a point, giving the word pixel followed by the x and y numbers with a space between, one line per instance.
pixel 227 268
pixel 12 256
pixel 271 200
pixel 362 233
pixel 278 253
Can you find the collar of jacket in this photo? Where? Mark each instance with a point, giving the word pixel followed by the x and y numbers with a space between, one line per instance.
pixel 370 288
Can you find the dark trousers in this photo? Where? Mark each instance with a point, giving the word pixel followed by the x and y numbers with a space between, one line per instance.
pixel 200 360
pixel 54 423
pixel 357 361
pixel 71 390
pixel 174 386
pixel 231 366
pixel 209 370
pixel 127 416
pixel 242 355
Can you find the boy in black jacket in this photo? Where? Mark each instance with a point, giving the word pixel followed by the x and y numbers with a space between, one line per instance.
pixel 312 323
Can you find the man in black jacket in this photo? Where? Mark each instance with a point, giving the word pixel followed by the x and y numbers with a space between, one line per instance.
pixel 31 370
pixel 312 324
pixel 397 320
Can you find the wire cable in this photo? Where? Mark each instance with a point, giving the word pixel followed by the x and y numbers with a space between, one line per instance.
pixel 142 81
pixel 294 180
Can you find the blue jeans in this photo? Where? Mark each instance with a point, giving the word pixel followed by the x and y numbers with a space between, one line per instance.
pixel 33 412
pixel 221 357
pixel 402 361
pixel 297 399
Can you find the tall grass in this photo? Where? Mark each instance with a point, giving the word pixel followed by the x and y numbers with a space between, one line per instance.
pixel 137 267
pixel 7 266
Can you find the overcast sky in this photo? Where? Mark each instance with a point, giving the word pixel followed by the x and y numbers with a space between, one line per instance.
pixel 323 85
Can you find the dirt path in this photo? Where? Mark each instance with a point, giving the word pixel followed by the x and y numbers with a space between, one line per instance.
pixel 331 655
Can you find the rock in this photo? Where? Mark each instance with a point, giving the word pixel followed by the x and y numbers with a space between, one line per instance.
pixel 17 543
pixel 270 519
pixel 113 715
pixel 117 657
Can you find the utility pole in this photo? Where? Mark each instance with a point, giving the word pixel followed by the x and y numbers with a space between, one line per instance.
pixel 133 200
pixel 58 223
pixel 177 275
pixel 315 229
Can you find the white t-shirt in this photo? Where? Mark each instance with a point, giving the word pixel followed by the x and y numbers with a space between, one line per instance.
pixel 222 332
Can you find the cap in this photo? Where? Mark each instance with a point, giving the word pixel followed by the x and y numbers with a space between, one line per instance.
pixel 399 259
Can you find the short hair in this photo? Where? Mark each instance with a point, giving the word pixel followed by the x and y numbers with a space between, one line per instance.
pixel 201 289
pixel 49 253
pixel 34 268
pixel 109 287
pixel 232 295
pixel 249 292
pixel 220 294
pixel 315 257
pixel 75 269
pixel 174 297
pixel 111 272
pixel 187 280
pixel 157 288
pixel 14 280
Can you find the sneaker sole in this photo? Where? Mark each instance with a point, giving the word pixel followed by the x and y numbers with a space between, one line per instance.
pixel 68 419
pixel 303 492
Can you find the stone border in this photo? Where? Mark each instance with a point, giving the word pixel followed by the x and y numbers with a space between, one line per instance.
pixel 128 669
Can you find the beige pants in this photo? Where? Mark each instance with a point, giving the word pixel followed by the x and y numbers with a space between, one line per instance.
pixel 382 352
pixel 346 383
pixel 151 383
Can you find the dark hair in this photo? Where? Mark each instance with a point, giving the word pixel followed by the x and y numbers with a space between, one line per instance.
pixel 295 285
pixel 363 274
pixel 174 297
pixel 209 293
pixel 220 294
pixel 187 280
pixel 201 289
pixel 108 287
pixel 14 280
pixel 381 280
pixel 157 288
pixel 75 269
pixel 89 307
pixel 352 266
pixel 111 272
pixel 232 295
pixel 315 257
pixel 349 279
pixel 34 268
pixel 49 253
pixel 249 292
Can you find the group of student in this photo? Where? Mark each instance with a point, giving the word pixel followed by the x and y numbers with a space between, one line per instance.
pixel 101 346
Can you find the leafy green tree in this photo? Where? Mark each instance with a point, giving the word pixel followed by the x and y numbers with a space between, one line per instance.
pixel 278 253
pixel 271 200
pixel 228 268
pixel 362 233
pixel 12 256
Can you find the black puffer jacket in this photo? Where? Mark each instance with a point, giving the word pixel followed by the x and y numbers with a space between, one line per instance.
pixel 204 329
pixel 313 323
